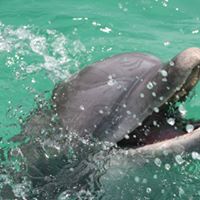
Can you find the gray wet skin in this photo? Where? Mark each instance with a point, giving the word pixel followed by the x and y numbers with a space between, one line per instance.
pixel 111 98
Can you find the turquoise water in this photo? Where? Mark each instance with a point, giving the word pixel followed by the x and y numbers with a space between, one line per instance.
pixel 44 42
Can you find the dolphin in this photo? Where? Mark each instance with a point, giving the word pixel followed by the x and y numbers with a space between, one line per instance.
pixel 122 104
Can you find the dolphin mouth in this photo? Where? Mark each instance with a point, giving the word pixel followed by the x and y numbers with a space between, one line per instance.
pixel 151 139
pixel 159 135
pixel 188 142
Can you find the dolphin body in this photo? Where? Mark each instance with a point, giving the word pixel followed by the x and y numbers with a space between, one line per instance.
pixel 106 102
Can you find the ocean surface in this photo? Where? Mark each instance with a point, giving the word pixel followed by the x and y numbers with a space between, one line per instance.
pixel 45 42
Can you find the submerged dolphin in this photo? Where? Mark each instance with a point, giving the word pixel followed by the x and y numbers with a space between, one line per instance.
pixel 126 96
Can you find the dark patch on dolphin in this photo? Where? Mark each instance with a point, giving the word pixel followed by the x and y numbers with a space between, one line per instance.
pixel 118 97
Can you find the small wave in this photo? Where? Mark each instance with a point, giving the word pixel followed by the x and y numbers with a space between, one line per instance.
pixel 34 50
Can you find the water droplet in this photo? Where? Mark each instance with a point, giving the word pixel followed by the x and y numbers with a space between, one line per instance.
pixel 158 162
pixel 155 123
pixel 144 180
pixel 33 80
pixel 163 73
pixel 171 63
pixel 179 159
pixel 182 110
pixel 164 79
pixel 195 31
pixel 154 83
pixel 153 94
pixel 141 95
pixel 106 132
pixel 195 155
pixel 161 98
pixel 155 176
pixel 126 137
pixel 149 85
pixel 124 105
pixel 106 107
pixel 156 109
pixel 148 190
pixel 106 29
pixel 181 192
pixel 167 166
pixel 82 107
pixel 164 4
pixel 101 111
pixel 119 86
pixel 178 88
pixel 71 169
pixel 166 43
pixel 128 112
pixel 177 97
pixel 171 121
pixel 134 116
pixel 189 128
pixel 137 179
pixel 111 82
pixel 139 124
